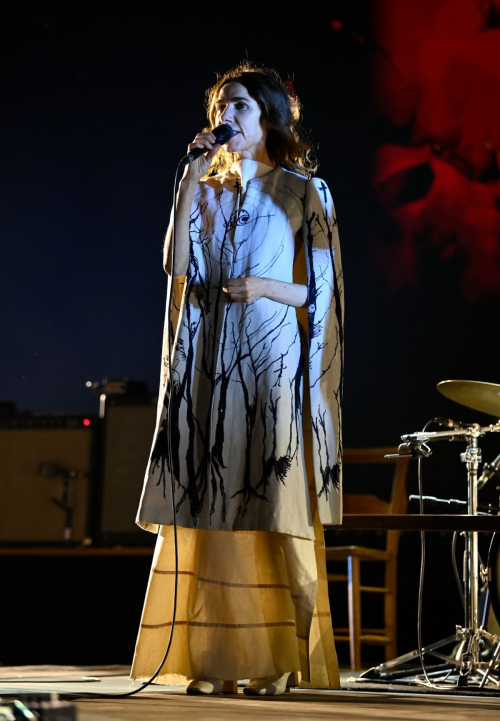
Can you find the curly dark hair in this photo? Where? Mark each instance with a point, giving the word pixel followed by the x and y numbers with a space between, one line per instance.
pixel 286 143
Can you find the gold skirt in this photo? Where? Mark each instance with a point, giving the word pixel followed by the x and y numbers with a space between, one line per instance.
pixel 250 604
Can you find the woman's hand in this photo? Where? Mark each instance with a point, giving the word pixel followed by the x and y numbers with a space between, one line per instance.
pixel 196 169
pixel 246 289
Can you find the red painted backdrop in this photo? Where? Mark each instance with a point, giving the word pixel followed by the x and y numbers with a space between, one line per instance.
pixel 436 77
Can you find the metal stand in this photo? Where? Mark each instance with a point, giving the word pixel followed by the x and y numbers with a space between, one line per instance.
pixel 64 504
pixel 51 470
pixel 463 666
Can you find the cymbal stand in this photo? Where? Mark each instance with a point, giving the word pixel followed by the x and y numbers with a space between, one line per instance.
pixel 470 632
pixel 466 658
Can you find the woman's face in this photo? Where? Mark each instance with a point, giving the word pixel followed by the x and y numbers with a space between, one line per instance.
pixel 236 108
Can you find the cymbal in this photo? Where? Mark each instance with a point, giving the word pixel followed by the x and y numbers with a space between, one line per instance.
pixel 484 397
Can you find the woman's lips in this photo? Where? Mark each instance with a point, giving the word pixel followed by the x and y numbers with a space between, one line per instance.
pixel 233 136
pixel 235 133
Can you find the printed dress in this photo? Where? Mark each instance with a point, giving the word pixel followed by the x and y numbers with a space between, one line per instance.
pixel 256 459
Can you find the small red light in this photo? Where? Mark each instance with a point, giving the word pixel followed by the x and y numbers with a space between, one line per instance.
pixel 337 25
pixel 86 422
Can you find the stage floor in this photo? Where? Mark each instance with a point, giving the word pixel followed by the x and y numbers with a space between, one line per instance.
pixel 163 703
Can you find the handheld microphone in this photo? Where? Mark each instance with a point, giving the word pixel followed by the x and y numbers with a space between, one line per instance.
pixel 223 134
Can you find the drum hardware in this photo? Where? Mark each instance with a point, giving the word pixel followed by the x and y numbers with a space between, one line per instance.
pixel 483 509
pixel 415 450
pixel 471 639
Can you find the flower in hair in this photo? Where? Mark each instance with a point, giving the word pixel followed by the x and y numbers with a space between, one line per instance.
pixel 288 85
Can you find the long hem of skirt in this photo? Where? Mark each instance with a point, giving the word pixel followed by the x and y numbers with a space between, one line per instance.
pixel 250 604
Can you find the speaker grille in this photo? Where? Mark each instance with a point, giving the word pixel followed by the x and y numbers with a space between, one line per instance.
pixel 129 431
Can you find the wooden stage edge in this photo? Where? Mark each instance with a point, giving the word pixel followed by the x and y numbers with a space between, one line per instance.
pixel 161 703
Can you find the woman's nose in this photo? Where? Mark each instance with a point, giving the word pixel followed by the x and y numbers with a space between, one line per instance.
pixel 226 115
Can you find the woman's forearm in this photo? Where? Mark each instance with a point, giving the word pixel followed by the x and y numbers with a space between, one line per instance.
pixel 294 294
pixel 248 288
pixel 183 213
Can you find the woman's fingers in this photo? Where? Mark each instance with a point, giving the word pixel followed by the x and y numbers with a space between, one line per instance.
pixel 198 167
pixel 244 290
pixel 202 140
pixel 200 144
pixel 213 152
pixel 237 285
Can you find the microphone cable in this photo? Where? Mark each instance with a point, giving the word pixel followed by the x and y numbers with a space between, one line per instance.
pixel 90 694
pixel 455 566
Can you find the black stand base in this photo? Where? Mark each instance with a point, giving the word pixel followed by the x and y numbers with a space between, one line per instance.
pixel 459 668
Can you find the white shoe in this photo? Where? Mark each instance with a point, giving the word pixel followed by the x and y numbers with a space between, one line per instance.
pixel 210 686
pixel 270 686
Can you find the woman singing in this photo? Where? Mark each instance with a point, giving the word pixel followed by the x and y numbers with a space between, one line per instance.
pixel 253 443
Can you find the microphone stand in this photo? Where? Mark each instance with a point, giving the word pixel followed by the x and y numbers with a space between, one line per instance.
pixel 64 505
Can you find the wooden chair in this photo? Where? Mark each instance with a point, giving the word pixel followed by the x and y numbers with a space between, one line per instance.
pixel 354 555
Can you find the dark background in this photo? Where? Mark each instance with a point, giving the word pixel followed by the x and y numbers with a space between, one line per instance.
pixel 100 102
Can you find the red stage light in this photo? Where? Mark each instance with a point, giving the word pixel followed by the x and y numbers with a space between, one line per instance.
pixel 86 422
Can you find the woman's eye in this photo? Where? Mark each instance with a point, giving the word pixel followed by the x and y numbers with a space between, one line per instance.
pixel 241 106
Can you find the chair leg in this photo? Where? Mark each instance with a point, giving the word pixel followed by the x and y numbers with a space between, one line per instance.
pixel 354 605
pixel 390 610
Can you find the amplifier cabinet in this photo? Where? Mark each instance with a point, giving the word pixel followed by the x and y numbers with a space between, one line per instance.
pixel 127 437
pixel 27 511
pixel 109 456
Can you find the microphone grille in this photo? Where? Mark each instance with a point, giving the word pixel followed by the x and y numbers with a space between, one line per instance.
pixel 223 133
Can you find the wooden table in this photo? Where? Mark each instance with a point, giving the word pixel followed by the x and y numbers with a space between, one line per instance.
pixel 417 522
pixel 87 551
pixel 350 522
